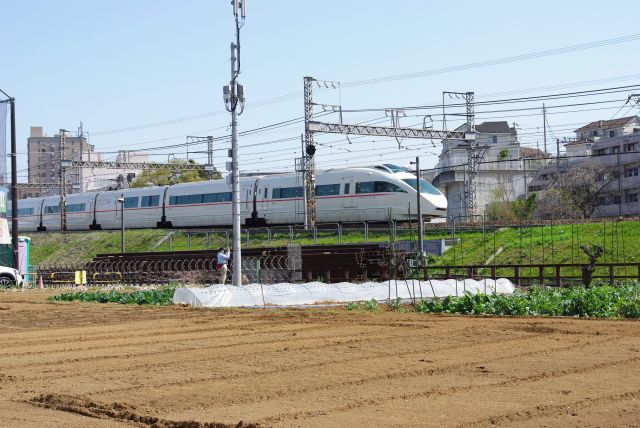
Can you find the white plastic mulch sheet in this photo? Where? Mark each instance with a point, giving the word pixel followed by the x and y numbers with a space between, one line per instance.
pixel 311 293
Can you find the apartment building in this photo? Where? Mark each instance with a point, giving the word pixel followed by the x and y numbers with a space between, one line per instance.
pixel 612 147
pixel 503 164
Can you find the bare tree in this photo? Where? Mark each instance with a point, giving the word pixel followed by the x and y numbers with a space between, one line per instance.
pixel 575 192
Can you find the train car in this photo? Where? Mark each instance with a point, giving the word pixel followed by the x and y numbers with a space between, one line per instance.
pixel 377 194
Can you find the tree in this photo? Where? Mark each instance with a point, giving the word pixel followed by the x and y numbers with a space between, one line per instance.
pixel 502 208
pixel 575 192
pixel 166 176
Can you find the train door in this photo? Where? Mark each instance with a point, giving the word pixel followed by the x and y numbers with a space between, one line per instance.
pixel 264 198
pixel 348 192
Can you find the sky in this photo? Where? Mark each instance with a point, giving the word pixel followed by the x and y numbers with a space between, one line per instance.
pixel 144 74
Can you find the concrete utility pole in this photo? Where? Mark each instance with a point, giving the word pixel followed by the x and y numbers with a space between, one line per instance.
pixel 234 97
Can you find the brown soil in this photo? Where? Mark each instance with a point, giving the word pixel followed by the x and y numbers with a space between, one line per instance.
pixel 88 364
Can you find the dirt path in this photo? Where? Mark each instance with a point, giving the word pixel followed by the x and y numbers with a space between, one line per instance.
pixel 74 364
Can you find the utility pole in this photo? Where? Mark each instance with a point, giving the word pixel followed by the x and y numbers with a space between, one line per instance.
pixel 309 161
pixel 234 98
pixel 472 156
pixel 558 155
pixel 544 124
pixel 210 156
pixel 420 223
pixel 303 164
pixel 63 180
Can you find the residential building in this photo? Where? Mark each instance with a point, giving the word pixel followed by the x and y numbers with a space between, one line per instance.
pixel 503 165
pixel 44 165
pixel 44 157
pixel 612 149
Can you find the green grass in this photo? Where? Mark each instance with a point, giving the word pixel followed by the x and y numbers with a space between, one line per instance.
pixel 548 245
pixel 75 248
pixel 601 301
pixel 158 297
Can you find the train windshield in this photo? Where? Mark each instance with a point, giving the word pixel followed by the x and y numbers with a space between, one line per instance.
pixel 425 186
pixel 395 168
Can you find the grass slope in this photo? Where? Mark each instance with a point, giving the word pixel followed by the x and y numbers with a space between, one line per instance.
pixel 526 245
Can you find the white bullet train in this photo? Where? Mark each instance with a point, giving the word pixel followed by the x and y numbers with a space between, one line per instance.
pixel 343 195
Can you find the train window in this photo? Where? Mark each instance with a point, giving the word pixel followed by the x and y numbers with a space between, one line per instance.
pixel 23 212
pixel 425 186
pixel 216 197
pixel 287 192
pixel 377 187
pixel 366 187
pixel 266 193
pixel 150 201
pixel 347 188
pixel 74 208
pixel 327 189
pixel 186 199
pixel 384 187
pixel 52 209
pixel 131 202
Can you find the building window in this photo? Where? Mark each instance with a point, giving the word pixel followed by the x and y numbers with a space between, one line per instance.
pixel 615 149
pixel 594 133
pixel 636 130
pixel 631 197
pixel 631 172
pixel 612 134
pixel 630 147
pixel 600 152
pixel 494 139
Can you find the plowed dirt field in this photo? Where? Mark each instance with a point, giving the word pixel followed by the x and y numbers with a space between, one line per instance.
pixel 90 364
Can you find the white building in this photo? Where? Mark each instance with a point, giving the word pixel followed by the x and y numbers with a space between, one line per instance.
pixel 504 166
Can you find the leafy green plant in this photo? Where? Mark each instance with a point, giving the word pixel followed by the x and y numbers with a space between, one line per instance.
pixel 600 301
pixel 161 296
pixel 371 306
pixel 368 305
pixel 353 306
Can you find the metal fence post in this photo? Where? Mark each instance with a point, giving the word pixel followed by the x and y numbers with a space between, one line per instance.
pixel 366 232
